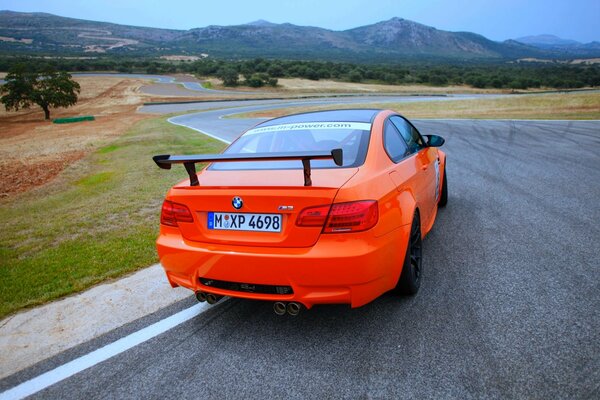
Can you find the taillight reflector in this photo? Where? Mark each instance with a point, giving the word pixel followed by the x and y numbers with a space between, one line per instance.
pixel 172 213
pixel 354 216
pixel 313 216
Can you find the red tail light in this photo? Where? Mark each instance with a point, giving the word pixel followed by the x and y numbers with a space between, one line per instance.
pixel 352 217
pixel 172 213
pixel 355 216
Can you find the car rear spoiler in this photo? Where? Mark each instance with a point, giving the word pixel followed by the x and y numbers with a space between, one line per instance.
pixel 164 161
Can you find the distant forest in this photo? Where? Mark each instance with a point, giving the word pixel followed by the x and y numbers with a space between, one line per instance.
pixel 259 72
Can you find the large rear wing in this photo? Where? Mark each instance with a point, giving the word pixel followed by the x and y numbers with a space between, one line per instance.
pixel 165 161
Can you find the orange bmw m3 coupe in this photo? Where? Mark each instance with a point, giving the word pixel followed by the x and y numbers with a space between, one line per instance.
pixel 316 208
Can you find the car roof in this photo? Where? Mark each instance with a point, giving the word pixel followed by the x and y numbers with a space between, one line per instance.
pixel 353 115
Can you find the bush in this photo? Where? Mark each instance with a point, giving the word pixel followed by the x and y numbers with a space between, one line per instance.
pixel 254 81
pixel 438 80
pixel 390 78
pixel 355 76
pixel 275 71
pixel 229 76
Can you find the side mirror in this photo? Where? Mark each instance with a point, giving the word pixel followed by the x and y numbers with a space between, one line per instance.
pixel 434 140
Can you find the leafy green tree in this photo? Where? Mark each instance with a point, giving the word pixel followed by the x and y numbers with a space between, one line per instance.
pixel 438 79
pixel 311 74
pixel 324 73
pixel 229 76
pixel 390 78
pixel 355 76
pixel 49 89
pixel 275 70
pixel 254 81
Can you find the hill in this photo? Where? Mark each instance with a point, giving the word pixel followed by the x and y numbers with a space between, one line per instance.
pixel 547 41
pixel 387 41
pixel 562 47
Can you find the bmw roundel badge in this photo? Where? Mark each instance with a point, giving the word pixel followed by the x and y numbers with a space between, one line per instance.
pixel 237 202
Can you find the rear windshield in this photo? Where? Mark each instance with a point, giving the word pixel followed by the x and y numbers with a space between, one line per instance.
pixel 352 137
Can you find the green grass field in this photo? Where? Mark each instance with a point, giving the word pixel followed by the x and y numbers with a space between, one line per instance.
pixel 98 220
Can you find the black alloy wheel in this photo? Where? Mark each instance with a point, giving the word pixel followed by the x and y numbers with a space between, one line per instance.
pixel 444 196
pixel 412 270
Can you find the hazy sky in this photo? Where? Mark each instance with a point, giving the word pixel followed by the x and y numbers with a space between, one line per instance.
pixel 495 19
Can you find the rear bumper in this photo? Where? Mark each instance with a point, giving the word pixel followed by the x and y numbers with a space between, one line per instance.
pixel 340 268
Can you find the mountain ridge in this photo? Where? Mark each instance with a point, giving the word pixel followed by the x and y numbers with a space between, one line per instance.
pixel 392 40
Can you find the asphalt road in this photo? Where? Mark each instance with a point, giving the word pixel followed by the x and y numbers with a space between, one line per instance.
pixel 509 306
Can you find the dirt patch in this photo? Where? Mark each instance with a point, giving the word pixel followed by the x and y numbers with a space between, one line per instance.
pixel 182 58
pixel 586 61
pixel 11 39
pixel 20 176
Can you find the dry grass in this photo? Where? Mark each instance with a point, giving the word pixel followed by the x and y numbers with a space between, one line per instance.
pixel 33 150
pixel 305 86
pixel 329 86
pixel 540 106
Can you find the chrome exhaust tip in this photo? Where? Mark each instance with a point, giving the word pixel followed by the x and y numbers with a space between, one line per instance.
pixel 279 308
pixel 294 309
pixel 201 296
pixel 213 298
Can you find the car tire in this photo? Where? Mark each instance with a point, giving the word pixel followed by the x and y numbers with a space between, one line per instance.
pixel 444 195
pixel 412 269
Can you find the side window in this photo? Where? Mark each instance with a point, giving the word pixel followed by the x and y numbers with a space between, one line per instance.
pixel 409 133
pixel 393 143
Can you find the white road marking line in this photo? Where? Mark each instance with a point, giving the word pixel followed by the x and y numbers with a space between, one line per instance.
pixel 198 130
pixel 77 365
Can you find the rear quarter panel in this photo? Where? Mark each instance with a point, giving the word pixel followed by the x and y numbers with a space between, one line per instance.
pixel 373 182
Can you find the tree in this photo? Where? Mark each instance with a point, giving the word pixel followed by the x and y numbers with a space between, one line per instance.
pixel 49 89
pixel 229 76
pixel 275 70
pixel 390 78
pixel 355 76
pixel 311 74
pixel 254 81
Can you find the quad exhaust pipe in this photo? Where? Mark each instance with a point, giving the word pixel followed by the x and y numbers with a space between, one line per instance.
pixel 208 297
pixel 292 308
pixel 212 298
pixel 201 296
pixel 279 307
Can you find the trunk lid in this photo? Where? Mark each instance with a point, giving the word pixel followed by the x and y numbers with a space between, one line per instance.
pixel 262 192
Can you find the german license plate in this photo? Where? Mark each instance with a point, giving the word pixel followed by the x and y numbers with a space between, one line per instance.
pixel 244 222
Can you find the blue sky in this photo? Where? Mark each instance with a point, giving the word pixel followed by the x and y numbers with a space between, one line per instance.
pixel 495 19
